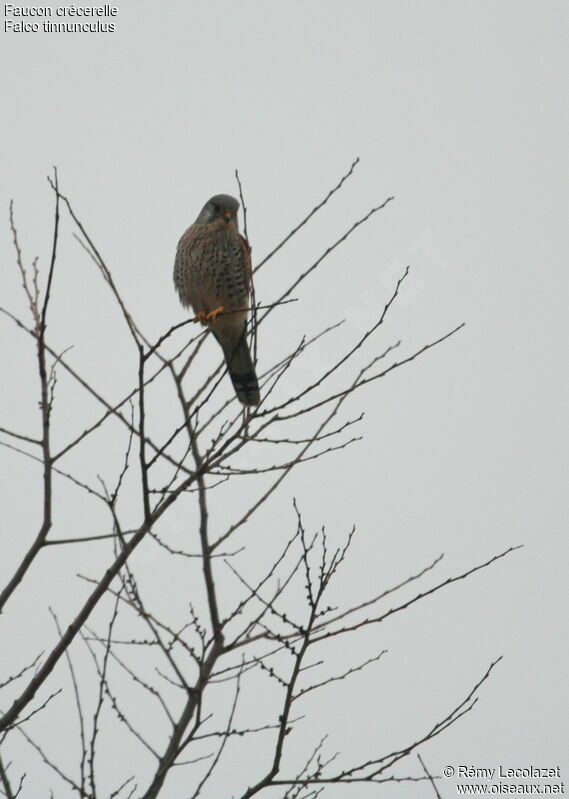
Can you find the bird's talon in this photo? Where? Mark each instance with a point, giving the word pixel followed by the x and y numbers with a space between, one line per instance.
pixel 201 316
pixel 212 315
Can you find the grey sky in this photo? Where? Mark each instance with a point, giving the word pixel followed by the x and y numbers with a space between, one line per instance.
pixel 460 111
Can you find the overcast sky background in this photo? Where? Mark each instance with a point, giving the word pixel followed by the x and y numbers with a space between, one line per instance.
pixel 458 109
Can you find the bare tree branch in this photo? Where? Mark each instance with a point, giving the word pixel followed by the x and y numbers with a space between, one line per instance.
pixel 185 638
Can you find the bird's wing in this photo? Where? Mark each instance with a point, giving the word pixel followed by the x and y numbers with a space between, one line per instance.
pixel 246 249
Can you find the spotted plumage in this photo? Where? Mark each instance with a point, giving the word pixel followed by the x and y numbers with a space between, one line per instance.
pixel 212 274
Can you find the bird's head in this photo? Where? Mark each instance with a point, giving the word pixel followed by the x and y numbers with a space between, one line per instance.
pixel 222 206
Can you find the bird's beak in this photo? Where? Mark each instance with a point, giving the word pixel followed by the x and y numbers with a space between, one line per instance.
pixel 228 215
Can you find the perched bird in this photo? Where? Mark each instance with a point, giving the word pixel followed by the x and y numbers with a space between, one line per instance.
pixel 212 273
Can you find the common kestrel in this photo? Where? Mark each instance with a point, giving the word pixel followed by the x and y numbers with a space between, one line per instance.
pixel 212 273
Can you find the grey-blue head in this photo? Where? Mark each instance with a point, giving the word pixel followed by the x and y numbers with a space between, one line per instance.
pixel 222 206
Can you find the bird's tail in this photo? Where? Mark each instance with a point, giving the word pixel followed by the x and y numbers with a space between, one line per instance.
pixel 241 369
